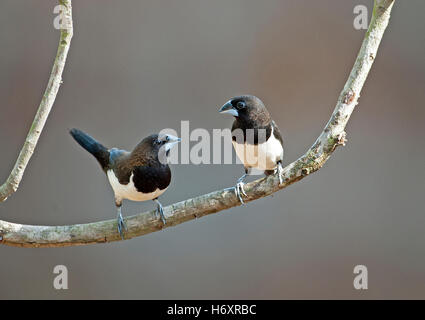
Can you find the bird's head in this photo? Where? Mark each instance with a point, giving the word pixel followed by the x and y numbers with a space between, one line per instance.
pixel 163 143
pixel 245 107
pixel 157 146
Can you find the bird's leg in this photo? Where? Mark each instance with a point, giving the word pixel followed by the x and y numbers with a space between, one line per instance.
pixel 239 186
pixel 160 210
pixel 279 171
pixel 120 221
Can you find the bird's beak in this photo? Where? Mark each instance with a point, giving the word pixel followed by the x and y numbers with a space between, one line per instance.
pixel 172 141
pixel 228 108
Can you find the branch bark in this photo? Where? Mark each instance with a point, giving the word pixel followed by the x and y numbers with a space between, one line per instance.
pixel 55 80
pixel 331 137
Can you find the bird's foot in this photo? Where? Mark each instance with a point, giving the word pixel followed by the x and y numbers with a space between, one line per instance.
pixel 239 191
pixel 280 172
pixel 121 225
pixel 160 211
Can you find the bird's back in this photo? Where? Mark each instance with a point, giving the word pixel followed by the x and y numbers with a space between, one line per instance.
pixel 135 177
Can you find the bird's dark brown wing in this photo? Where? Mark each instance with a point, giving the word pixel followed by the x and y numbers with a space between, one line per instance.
pixel 147 179
pixel 276 132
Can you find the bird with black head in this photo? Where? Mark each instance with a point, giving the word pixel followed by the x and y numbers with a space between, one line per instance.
pixel 140 175
pixel 256 138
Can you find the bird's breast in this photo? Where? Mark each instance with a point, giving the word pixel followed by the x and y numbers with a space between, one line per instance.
pixel 129 191
pixel 262 156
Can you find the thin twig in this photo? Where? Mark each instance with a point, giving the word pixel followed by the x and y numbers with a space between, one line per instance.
pixel 55 80
pixel 332 136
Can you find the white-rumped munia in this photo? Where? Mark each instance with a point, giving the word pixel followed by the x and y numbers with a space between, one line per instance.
pixel 140 175
pixel 256 138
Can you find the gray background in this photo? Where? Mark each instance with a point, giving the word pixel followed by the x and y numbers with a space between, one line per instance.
pixel 136 67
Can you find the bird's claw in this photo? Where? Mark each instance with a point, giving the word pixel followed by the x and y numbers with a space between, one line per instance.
pixel 240 190
pixel 160 212
pixel 280 173
pixel 121 225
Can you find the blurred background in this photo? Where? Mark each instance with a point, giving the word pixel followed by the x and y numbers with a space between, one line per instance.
pixel 136 67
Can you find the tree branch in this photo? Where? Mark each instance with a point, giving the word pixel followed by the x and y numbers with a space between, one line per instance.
pixel 332 136
pixel 15 177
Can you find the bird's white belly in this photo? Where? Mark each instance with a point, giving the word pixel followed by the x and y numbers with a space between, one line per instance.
pixel 129 191
pixel 263 156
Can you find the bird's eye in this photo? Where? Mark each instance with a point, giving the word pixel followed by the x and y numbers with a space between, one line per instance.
pixel 167 138
pixel 157 142
pixel 241 105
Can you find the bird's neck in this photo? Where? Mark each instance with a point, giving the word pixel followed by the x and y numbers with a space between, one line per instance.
pixel 142 157
pixel 255 136
pixel 250 123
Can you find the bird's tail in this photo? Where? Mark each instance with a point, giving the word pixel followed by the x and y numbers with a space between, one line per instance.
pixel 100 152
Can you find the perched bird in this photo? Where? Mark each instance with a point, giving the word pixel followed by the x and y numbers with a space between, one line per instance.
pixel 140 175
pixel 255 137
